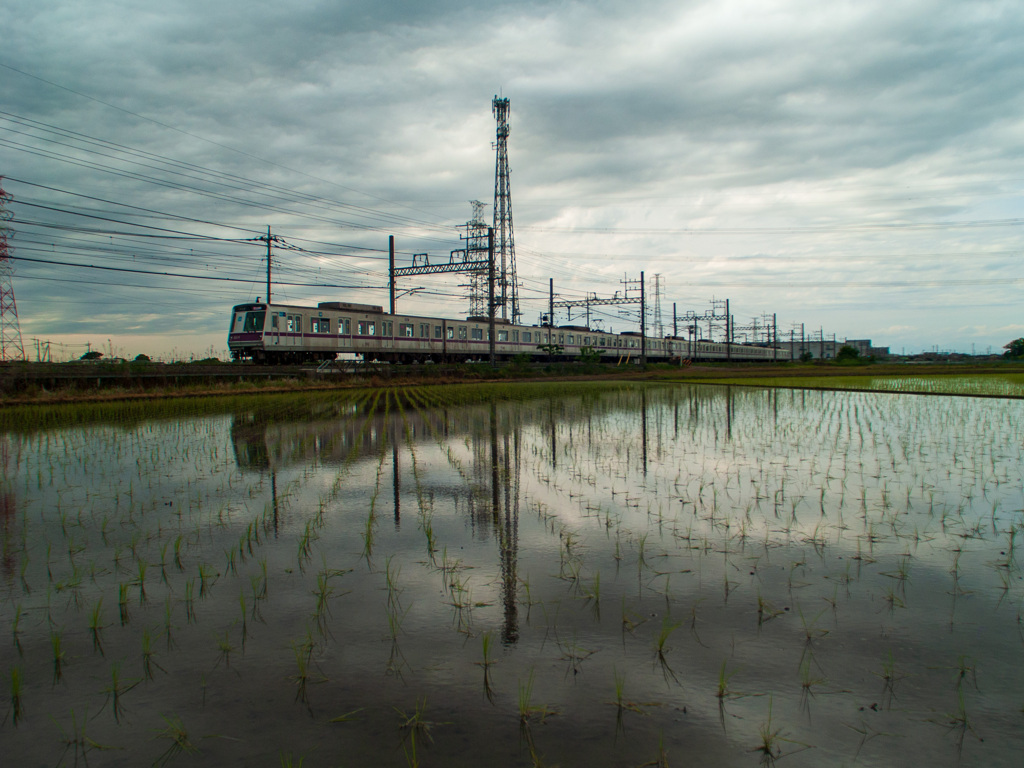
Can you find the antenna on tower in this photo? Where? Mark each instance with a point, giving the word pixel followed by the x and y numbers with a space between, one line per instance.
pixel 504 242
pixel 11 347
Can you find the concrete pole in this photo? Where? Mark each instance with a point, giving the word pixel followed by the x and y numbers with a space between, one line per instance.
pixel 391 270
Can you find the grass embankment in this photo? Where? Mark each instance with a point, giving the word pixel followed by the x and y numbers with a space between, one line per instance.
pixel 981 380
pixel 966 380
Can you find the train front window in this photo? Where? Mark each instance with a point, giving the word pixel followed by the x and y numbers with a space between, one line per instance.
pixel 254 322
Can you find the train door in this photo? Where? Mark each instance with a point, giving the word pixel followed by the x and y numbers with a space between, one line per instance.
pixel 274 334
pixel 292 336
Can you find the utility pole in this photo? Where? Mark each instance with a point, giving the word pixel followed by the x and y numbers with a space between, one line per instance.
pixel 659 330
pixel 268 263
pixel 268 239
pixel 728 333
pixel 391 271
pixel 643 323
pixel 490 297
pixel 551 310
pixel 675 322
pixel 775 337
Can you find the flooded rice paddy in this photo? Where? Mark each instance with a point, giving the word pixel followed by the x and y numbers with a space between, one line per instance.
pixel 572 575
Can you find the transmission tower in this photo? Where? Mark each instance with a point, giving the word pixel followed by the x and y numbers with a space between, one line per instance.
pixel 504 242
pixel 476 242
pixel 11 347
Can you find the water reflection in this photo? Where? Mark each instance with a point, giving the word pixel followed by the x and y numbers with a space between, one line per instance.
pixel 781 537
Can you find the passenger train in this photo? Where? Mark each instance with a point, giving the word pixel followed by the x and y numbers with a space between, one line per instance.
pixel 280 333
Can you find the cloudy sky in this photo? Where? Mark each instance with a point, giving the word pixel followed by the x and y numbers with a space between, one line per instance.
pixel 855 167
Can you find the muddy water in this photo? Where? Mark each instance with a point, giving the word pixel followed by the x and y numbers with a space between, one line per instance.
pixel 609 576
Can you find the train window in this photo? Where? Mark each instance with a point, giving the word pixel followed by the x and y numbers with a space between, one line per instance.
pixel 515 335
pixel 561 338
pixel 273 322
pixel 405 329
pixel 387 328
pixel 366 328
pixel 437 332
pixel 344 325
pixel 451 333
pixel 254 322
pixel 502 335
pixel 477 333
pixel 424 331
pixel 527 336
pixel 462 332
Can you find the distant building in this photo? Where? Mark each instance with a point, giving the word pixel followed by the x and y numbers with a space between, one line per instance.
pixel 827 348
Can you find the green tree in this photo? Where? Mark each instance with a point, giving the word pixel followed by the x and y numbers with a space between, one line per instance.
pixel 91 355
pixel 1015 349
pixel 550 349
pixel 846 352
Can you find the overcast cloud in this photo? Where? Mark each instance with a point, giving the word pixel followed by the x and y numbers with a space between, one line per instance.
pixel 853 166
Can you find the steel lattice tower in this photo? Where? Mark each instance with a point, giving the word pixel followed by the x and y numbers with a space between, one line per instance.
pixel 504 242
pixel 11 347
pixel 476 244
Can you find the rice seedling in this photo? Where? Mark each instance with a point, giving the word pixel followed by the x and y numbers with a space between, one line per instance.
pixel 15 689
pixel 116 689
pixel 176 733
pixel 575 654
pixel 148 656
pixel 122 604
pixel 303 660
pixel 724 676
pixel 415 727
pixel 177 552
pixel 527 709
pixel 226 648
pixel 59 654
pixel 77 741
pixel 141 579
pixel 96 626
pixel 15 628
pixel 890 676
pixel 772 739
pixel 207 578
pixel 661 647
pixel 621 703
pixel 190 610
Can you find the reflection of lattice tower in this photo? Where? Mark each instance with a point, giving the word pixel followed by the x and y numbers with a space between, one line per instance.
pixel 11 347
pixel 659 329
pixel 7 512
pixel 476 245
pixel 504 243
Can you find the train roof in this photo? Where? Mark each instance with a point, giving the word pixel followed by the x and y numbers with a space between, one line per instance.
pixel 348 306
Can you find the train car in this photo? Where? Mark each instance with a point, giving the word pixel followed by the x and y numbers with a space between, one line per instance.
pixel 290 334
